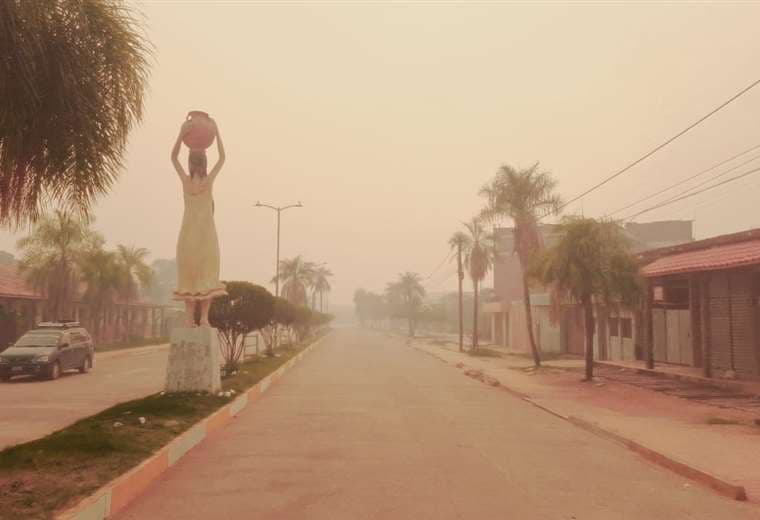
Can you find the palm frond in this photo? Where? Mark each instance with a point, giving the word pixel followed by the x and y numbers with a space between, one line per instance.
pixel 74 75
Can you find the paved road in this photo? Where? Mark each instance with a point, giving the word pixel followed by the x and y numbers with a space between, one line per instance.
pixel 368 428
pixel 31 408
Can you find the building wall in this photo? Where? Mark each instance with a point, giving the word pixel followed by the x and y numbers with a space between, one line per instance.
pixel 548 335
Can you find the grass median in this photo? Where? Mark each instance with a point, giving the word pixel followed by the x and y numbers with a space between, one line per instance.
pixel 45 476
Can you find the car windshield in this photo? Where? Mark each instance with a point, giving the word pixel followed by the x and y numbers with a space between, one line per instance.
pixel 39 339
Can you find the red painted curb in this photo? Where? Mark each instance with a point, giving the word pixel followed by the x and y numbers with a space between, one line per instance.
pixel 138 480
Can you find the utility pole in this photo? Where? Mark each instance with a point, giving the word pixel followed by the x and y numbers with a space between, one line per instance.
pixel 278 210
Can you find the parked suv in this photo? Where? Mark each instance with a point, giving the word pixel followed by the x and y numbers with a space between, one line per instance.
pixel 48 350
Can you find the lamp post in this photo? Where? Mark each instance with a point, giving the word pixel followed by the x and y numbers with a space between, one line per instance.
pixel 278 210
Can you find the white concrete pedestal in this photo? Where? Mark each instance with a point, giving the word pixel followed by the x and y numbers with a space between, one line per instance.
pixel 194 361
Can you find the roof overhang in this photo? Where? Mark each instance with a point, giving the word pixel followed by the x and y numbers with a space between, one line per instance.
pixel 716 258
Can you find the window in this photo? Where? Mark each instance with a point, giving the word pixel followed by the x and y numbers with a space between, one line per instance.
pixel 626 328
pixel 614 327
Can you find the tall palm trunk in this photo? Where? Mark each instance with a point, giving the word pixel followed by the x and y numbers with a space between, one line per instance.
pixel 529 320
pixel 461 310
pixel 321 301
pixel 475 316
pixel 588 310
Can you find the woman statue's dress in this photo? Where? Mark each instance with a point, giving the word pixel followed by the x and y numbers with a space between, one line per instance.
pixel 198 245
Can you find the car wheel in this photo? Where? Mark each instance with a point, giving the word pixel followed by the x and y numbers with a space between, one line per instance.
pixel 55 371
pixel 86 365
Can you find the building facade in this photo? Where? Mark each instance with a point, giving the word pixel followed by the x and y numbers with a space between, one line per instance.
pixel 561 330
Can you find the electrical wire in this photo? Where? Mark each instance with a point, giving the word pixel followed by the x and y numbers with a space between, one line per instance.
pixel 689 195
pixel 692 177
pixel 663 145
pixel 443 262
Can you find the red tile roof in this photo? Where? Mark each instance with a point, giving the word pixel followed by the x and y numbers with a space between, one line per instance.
pixel 727 256
pixel 13 285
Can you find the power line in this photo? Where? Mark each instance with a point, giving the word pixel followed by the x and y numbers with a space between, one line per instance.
pixel 692 177
pixel 663 145
pixel 442 281
pixel 713 178
pixel 689 195
pixel 751 186
pixel 445 259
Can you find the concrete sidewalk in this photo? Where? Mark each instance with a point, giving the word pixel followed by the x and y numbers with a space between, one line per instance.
pixel 675 427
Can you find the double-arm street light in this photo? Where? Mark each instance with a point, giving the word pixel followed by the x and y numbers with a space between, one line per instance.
pixel 278 210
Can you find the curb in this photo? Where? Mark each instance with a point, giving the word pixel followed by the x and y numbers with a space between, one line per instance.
pixel 120 492
pixel 722 487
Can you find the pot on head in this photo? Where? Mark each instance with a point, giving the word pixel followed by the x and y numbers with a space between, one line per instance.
pixel 201 133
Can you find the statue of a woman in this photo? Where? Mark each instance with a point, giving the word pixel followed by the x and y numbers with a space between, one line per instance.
pixel 198 245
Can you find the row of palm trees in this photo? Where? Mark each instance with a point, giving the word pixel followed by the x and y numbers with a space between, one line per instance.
pixel 591 263
pixel 66 260
pixel 523 196
pixel 303 281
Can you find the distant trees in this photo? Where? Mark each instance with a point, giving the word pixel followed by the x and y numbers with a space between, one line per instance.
pixel 104 279
pixel 296 276
pixel 50 259
pixel 136 274
pixel 371 308
pixel 460 245
pixel 591 264
pixel 478 259
pixel 405 297
pixel 320 284
pixel 74 73
pixel 246 308
pixel 163 280
pixel 296 320
pixel 67 261
pixel 523 195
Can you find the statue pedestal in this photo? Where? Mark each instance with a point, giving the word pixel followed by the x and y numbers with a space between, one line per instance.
pixel 194 361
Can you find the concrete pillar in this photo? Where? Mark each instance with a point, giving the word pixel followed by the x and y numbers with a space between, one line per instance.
pixel 194 361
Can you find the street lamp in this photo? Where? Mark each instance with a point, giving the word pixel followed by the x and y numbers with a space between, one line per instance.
pixel 279 210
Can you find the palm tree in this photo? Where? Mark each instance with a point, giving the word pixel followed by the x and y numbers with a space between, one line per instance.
pixel 523 196
pixel 137 275
pixel 105 279
pixel 321 284
pixel 49 259
pixel 406 295
pixel 74 73
pixel 478 260
pixel 591 263
pixel 296 276
pixel 460 244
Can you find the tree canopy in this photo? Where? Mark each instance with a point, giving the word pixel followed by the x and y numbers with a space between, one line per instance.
pixel 74 73
pixel 590 264
pixel 245 308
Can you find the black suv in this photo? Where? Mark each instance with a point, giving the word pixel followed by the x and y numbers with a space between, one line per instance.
pixel 48 350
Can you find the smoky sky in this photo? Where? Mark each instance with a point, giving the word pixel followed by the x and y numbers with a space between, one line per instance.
pixel 385 119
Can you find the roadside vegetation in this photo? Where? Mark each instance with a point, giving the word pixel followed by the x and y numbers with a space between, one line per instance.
pixel 51 474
